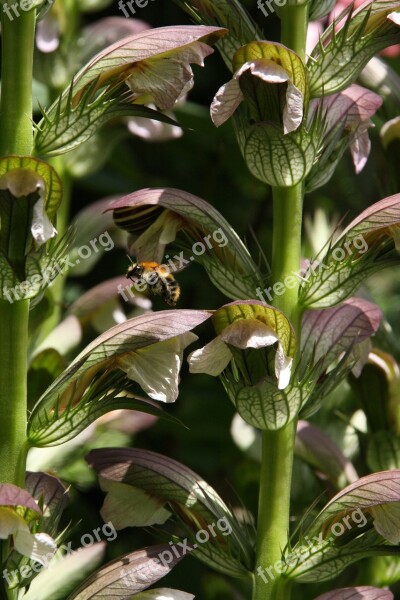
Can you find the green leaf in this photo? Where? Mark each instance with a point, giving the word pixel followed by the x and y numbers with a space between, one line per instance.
pixel 126 576
pixel 266 407
pixel 65 128
pixel 159 476
pixel 276 159
pixel 154 64
pixel 187 495
pixel 224 13
pixel 326 334
pixel 326 560
pixel 320 8
pixel 370 494
pixel 319 450
pixel 95 382
pixel 365 247
pixel 341 55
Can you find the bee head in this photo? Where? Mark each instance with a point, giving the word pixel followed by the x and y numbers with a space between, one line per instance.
pixel 135 271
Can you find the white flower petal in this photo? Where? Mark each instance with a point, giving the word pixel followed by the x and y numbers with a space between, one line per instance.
pixel 361 353
pixel 40 547
pixel 395 17
pixel 226 101
pixel 164 594
pixel 249 333
pixel 293 112
pixel 243 434
pixel 267 70
pixel 42 228
pixel 128 506
pixel 153 131
pixel 165 82
pixel 161 81
pixel 150 245
pixel 211 359
pixel 361 146
pixel 283 368
pixel 156 367
pixel 48 34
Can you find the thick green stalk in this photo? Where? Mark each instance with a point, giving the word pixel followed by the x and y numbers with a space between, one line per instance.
pixel 13 351
pixel 16 137
pixel 294 24
pixel 278 446
pixel 286 245
pixel 273 513
pixel 16 83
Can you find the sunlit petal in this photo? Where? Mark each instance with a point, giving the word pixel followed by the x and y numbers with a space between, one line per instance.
pixel 249 333
pixel 42 229
pixel 211 359
pixel 283 368
pixel 226 101
pixel 40 547
pixel 156 367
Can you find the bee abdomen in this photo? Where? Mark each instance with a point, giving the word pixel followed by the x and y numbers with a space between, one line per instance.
pixel 171 292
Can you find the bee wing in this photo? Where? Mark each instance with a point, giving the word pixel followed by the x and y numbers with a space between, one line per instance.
pixel 176 264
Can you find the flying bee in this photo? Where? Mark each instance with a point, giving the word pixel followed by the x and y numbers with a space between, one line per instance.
pixel 158 279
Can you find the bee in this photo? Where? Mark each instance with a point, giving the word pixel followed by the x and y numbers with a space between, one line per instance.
pixel 159 280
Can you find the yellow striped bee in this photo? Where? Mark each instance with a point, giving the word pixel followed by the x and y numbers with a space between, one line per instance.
pixel 158 279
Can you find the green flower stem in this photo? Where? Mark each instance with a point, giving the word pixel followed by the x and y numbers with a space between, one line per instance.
pixel 16 127
pixel 13 410
pixel 16 137
pixel 278 446
pixel 274 505
pixel 286 246
pixel 294 24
